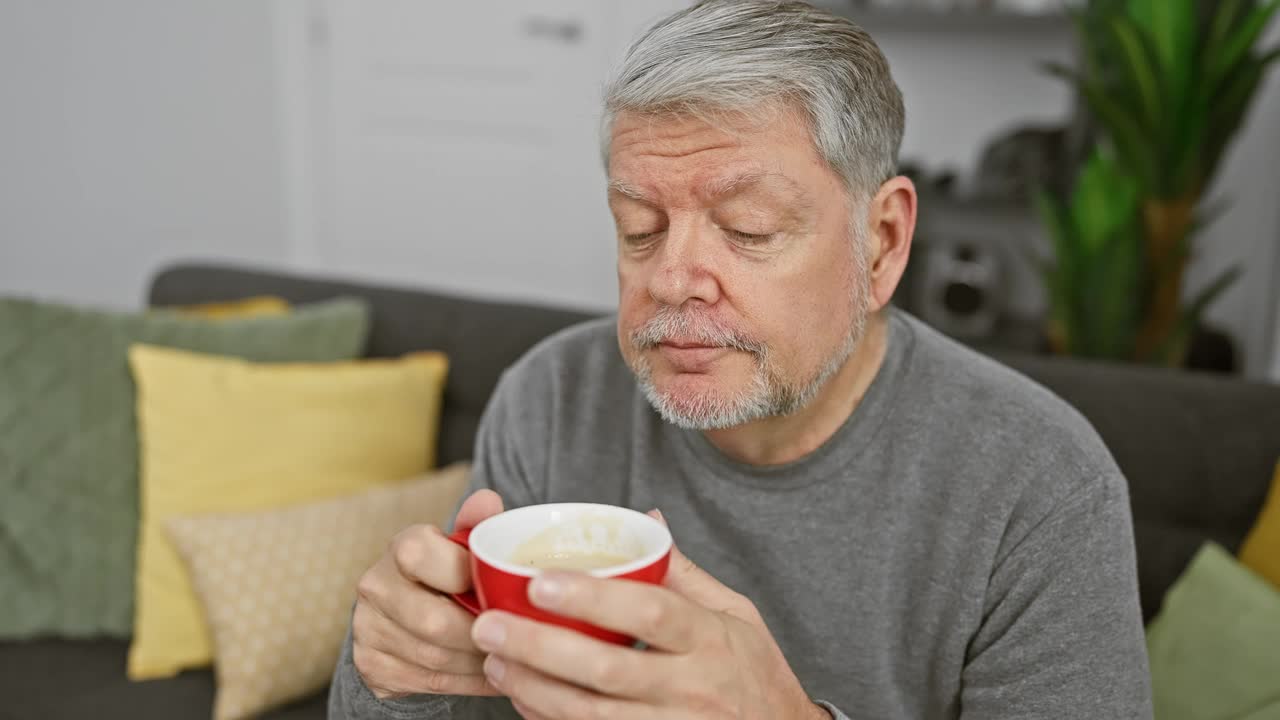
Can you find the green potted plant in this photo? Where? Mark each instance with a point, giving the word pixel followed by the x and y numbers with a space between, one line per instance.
pixel 1167 84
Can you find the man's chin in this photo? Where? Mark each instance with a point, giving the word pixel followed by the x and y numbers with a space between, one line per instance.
pixel 691 389
pixel 698 402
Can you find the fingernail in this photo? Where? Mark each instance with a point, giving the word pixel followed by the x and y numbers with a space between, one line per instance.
pixel 657 515
pixel 494 669
pixel 489 632
pixel 546 590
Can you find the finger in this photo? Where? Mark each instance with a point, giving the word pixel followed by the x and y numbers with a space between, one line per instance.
pixel 571 656
pixel 526 713
pixel 544 696
pixel 420 612
pixel 690 581
pixel 388 676
pixel 480 506
pixel 654 614
pixel 423 554
pixel 373 629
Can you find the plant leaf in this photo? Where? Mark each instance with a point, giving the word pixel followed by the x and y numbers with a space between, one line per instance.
pixel 1095 282
pixel 1058 70
pixel 1141 65
pixel 1228 114
pixel 1105 200
pixel 1226 16
pixel 1060 272
pixel 1206 215
pixel 1189 319
pixel 1224 19
pixel 1171 24
pixel 1109 301
pixel 1131 144
pixel 1237 47
pixel 1269 57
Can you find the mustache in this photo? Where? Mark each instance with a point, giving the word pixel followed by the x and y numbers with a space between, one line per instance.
pixel 673 324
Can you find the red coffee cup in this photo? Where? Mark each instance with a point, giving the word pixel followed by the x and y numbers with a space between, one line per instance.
pixel 498 583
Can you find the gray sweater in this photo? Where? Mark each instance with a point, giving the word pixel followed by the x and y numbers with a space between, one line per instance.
pixel 960 548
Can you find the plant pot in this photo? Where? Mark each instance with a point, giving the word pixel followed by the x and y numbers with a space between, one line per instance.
pixel 1211 350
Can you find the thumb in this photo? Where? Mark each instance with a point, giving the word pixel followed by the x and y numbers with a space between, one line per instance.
pixel 482 505
pixel 687 579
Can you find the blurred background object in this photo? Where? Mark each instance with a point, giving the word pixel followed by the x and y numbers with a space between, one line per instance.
pixel 455 146
pixel 1168 85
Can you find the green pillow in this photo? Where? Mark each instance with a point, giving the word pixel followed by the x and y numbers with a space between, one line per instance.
pixel 69 445
pixel 1215 647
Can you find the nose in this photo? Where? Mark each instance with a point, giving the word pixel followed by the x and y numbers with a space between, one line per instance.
pixel 683 268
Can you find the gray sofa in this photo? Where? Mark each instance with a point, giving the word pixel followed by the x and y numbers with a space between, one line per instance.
pixel 1198 452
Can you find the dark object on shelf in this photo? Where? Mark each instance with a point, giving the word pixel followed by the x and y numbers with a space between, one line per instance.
pixel 970 275
pixel 941 183
pixel 1015 164
pixel 1211 350
pixel 961 287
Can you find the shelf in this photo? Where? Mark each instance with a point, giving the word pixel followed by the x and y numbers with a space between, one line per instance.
pixel 881 18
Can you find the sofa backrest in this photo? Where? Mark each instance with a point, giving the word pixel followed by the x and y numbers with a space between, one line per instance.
pixel 481 338
pixel 1198 450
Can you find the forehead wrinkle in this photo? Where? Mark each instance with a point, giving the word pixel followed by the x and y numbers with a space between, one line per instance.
pixel 720 188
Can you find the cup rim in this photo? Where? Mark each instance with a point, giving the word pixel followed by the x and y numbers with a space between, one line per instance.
pixel 631 566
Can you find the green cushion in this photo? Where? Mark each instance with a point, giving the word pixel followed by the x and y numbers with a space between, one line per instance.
pixel 1215 646
pixel 69 446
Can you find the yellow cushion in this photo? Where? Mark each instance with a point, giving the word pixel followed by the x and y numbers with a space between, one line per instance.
pixel 248 307
pixel 277 586
pixel 225 435
pixel 1261 549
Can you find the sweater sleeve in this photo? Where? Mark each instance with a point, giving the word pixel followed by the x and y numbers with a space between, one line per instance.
pixel 1062 634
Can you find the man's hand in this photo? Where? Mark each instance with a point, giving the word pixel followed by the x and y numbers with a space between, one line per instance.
pixel 710 654
pixel 407 637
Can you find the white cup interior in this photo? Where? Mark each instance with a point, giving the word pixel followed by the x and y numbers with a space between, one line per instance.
pixel 572 527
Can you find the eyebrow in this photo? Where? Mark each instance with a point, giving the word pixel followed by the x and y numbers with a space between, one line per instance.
pixel 618 187
pixel 722 187
pixel 717 188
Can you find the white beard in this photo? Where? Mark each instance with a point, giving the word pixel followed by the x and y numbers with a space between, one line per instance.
pixel 767 395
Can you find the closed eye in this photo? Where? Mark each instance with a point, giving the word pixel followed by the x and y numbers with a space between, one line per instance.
pixel 639 238
pixel 749 238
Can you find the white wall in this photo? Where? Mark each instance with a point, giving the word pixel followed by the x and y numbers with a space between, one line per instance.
pixel 132 133
pixel 136 132
pixel 964 85
pixel 1248 233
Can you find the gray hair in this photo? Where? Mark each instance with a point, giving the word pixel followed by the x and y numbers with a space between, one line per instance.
pixel 740 56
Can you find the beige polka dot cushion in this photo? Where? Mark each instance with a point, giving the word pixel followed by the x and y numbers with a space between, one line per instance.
pixel 277 586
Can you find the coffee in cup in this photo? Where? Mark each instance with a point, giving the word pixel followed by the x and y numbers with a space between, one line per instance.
pixel 509 549
pixel 569 560
pixel 569 545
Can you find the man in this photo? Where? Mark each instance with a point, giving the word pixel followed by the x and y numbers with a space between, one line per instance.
pixel 884 524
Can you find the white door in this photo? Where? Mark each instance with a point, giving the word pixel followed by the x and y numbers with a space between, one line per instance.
pixel 457 147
